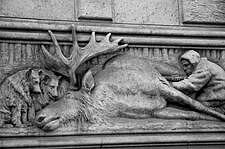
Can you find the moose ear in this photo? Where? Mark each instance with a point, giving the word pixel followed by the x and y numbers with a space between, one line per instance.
pixel 88 81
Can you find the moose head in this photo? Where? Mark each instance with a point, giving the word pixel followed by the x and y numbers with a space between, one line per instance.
pixel 73 104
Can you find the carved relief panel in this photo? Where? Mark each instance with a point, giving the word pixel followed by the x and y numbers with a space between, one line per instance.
pixel 130 73
pixel 102 87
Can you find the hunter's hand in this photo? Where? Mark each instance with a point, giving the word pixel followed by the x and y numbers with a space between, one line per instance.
pixel 164 81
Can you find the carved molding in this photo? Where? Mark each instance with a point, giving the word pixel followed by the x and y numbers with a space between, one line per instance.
pixel 156 140
pixel 7 23
pixel 132 40
pixel 133 34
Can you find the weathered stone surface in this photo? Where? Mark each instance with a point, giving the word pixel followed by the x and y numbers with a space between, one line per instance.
pixel 155 138
pixel 147 12
pixel 23 46
pixel 38 9
pixel 204 11
pixel 118 125
pixel 95 9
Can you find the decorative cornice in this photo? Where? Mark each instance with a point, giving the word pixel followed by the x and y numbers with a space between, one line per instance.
pixel 36 30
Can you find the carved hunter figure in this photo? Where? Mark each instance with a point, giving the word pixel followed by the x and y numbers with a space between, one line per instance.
pixel 16 105
pixel 127 86
pixel 205 82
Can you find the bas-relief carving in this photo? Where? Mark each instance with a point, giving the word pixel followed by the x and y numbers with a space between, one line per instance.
pixel 16 98
pixel 26 92
pixel 126 89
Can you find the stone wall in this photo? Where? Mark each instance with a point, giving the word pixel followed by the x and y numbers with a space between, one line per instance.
pixel 150 12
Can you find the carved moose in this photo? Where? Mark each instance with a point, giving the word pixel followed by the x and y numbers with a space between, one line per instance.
pixel 126 87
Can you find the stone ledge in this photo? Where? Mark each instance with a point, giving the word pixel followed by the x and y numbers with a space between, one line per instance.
pixel 117 140
pixel 122 126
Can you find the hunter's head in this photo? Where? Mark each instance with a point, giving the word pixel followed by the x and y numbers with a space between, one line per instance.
pixel 189 61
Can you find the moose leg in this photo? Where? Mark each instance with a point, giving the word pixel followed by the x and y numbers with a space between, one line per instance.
pixel 173 95
pixel 173 113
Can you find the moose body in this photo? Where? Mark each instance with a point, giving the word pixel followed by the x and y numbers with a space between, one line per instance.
pixel 127 86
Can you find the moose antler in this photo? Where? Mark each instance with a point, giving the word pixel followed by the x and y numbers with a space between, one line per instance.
pixel 67 66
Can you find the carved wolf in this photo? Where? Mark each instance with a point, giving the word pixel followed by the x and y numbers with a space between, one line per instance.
pixel 15 98
pixel 127 86
pixel 49 85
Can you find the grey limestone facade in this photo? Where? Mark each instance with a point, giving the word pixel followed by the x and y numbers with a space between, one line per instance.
pixel 112 74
